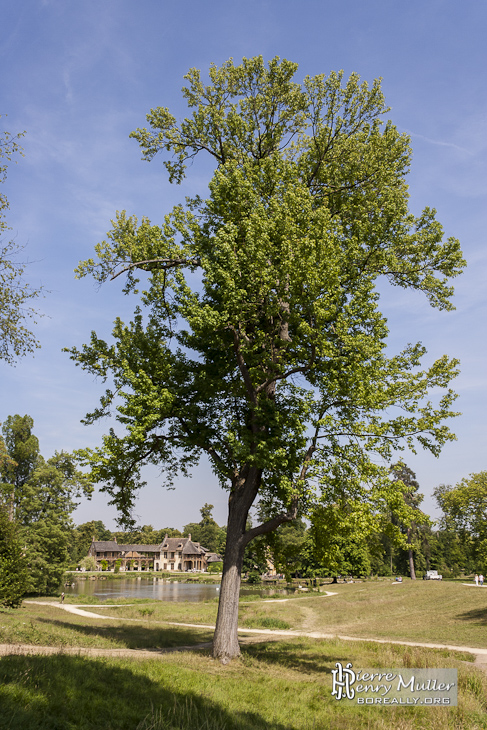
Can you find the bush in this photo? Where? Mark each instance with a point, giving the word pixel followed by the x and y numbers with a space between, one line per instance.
pixel 215 567
pixel 254 577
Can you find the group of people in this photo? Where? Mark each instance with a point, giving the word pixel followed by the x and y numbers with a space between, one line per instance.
pixel 479 579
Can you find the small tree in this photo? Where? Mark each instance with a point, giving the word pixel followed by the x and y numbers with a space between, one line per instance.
pixel 88 563
pixel 264 347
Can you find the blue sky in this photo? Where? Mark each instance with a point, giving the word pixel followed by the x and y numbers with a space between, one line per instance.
pixel 79 77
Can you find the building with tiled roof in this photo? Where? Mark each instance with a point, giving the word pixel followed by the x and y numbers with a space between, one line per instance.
pixel 174 553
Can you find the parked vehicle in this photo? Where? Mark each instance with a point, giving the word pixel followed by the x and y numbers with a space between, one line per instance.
pixel 432 575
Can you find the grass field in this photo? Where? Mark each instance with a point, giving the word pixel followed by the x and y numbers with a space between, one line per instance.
pixel 279 685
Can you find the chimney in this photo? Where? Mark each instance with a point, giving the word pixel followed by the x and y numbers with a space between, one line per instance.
pixel 189 537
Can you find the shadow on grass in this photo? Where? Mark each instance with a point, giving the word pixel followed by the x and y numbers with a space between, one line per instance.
pixel 75 693
pixel 295 655
pixel 478 615
pixel 137 637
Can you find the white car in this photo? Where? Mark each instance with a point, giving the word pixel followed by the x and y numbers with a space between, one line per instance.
pixel 432 575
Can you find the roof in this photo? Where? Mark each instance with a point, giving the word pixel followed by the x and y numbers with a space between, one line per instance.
pixel 104 545
pixel 141 548
pixel 192 548
pixel 213 558
pixel 172 544
pixel 116 547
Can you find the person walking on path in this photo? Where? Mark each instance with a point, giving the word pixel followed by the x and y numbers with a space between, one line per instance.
pixel 481 580
pixel 476 579
pixel 62 597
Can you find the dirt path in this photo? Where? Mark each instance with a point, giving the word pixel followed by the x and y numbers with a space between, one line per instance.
pixel 480 654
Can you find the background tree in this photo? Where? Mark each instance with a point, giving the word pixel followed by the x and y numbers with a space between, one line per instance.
pixel 46 555
pixel 207 532
pixel 35 488
pixel 40 496
pixel 15 294
pixel 286 548
pixel 13 569
pixel 464 509
pixel 83 535
pixel 261 343
pixel 402 473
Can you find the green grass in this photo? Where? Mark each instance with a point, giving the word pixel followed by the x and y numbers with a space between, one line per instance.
pixel 426 611
pixel 49 626
pixel 274 686
pixel 279 685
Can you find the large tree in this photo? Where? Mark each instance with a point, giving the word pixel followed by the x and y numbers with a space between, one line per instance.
pixel 261 343
pixel 402 473
pixel 34 488
pixel 15 293
pixel 464 509
pixel 39 495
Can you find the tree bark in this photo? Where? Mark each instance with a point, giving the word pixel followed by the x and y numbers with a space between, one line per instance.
pixel 225 640
pixel 411 558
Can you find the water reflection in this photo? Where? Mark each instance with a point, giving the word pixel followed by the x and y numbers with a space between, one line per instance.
pixel 156 588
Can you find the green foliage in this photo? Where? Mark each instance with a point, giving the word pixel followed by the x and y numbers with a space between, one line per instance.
pixel 16 339
pixel 88 563
pixel 46 554
pixel 307 208
pixel 34 488
pixel 215 567
pixel 464 508
pixel 40 495
pixel 286 548
pixel 84 535
pixel 207 532
pixel 254 577
pixel 13 575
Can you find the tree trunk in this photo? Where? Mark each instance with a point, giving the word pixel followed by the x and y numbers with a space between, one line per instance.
pixel 411 559
pixel 225 639
pixel 11 506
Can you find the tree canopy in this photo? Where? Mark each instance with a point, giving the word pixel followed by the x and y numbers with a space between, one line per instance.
pixel 465 512
pixel 15 293
pixel 259 341
pixel 39 496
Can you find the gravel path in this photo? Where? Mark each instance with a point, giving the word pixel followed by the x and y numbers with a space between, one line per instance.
pixel 480 654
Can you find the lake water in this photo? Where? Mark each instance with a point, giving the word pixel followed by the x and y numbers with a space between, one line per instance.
pixel 154 588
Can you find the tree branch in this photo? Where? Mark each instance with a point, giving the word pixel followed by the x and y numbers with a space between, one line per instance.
pixel 167 264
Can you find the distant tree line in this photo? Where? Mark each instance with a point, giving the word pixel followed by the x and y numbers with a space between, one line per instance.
pixel 39 541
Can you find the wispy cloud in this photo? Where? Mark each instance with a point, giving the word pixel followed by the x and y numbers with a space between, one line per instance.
pixel 437 142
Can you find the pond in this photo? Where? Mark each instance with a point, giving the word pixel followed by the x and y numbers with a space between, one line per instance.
pixel 155 588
